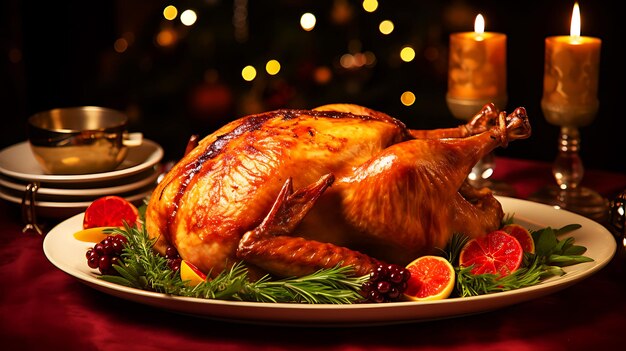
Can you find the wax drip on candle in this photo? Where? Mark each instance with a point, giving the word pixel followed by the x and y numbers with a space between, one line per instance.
pixel 479 27
pixel 574 30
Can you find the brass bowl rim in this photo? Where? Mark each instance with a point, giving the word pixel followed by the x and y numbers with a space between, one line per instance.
pixel 33 120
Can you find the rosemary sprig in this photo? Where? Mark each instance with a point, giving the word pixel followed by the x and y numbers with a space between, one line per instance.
pixel 336 285
pixel 454 247
pixel 468 284
pixel 508 219
pixel 141 267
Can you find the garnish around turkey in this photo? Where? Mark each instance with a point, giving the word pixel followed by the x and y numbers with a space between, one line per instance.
pixel 509 258
pixel 337 204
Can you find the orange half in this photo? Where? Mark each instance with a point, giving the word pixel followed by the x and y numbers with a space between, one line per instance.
pixel 432 278
pixel 495 253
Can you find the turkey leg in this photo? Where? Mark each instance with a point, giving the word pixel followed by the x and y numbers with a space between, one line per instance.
pixel 481 122
pixel 408 197
pixel 271 247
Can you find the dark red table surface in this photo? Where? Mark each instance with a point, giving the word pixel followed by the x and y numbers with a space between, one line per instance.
pixel 42 308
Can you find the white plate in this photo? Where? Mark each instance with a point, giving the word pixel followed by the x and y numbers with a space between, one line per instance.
pixel 18 161
pixel 68 254
pixel 55 209
pixel 44 189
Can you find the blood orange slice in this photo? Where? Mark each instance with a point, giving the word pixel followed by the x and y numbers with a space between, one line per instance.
pixel 432 278
pixel 522 235
pixel 495 253
pixel 110 211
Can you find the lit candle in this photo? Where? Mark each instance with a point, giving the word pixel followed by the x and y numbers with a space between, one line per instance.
pixel 570 83
pixel 477 67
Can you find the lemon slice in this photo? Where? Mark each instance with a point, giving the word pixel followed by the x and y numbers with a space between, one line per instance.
pixel 190 274
pixel 92 235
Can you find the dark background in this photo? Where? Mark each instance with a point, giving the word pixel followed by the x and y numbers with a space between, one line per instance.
pixel 61 53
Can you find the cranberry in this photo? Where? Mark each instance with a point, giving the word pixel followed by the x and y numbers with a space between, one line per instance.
pixel 386 283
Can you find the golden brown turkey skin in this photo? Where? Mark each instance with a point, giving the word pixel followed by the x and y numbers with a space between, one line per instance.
pixel 226 185
pixel 385 193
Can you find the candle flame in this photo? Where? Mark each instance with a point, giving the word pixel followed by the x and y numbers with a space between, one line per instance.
pixel 574 30
pixel 479 25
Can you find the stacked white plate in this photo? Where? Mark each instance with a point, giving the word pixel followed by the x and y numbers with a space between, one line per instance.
pixel 61 196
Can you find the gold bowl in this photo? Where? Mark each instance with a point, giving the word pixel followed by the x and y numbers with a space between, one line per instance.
pixel 80 140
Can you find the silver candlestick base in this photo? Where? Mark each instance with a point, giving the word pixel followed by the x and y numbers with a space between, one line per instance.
pixel 568 172
pixel 581 200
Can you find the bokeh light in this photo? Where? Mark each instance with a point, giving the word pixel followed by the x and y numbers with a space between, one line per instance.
pixel 248 73
pixel 166 37
pixel 272 67
pixel 370 58
pixel 370 5
pixel 120 45
pixel 307 21
pixel 357 60
pixel 386 27
pixel 407 98
pixel 170 12
pixel 322 75
pixel 407 54
pixel 188 17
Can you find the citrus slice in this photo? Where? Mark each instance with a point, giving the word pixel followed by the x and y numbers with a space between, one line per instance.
pixel 522 235
pixel 92 235
pixel 432 278
pixel 110 211
pixel 494 253
pixel 190 274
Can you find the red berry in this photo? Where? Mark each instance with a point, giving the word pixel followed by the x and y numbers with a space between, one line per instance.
pixel 99 248
pixel 386 283
pixel 93 261
pixel 106 253
pixel 174 263
pixel 383 287
pixel 171 252
pixel 104 265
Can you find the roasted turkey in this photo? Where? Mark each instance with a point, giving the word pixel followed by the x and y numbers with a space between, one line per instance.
pixel 291 191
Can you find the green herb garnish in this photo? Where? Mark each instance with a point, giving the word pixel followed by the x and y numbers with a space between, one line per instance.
pixel 550 255
pixel 142 268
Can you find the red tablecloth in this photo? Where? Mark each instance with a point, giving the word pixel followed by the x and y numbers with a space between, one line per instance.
pixel 42 308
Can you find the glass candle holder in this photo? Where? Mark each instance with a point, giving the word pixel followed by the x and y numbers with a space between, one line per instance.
pixel 476 77
pixel 570 102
